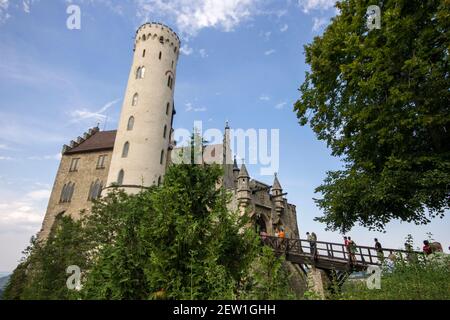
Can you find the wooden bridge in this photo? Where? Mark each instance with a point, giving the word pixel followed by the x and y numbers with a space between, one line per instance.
pixel 329 255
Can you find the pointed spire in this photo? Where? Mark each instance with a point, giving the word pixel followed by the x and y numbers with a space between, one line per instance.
pixel 276 183
pixel 243 173
pixel 235 166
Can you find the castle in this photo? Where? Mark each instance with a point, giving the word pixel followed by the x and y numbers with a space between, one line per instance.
pixel 138 153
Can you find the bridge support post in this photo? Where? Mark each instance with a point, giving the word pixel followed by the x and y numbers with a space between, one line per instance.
pixel 318 282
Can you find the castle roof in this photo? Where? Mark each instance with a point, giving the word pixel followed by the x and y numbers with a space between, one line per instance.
pixel 243 173
pixel 276 184
pixel 101 140
pixel 235 166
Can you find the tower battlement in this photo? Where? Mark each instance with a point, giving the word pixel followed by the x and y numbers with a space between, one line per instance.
pixel 156 31
pixel 75 143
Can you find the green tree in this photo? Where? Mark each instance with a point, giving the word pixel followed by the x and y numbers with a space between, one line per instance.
pixel 42 273
pixel 176 241
pixel 380 99
pixel 267 279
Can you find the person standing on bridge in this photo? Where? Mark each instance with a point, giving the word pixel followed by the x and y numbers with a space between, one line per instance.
pixel 352 249
pixel 379 250
pixel 312 238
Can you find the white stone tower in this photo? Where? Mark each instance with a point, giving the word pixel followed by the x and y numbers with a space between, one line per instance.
pixel 143 137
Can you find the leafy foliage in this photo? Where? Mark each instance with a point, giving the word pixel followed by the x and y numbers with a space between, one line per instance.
pixel 380 99
pixel 176 241
pixel 42 272
pixel 421 279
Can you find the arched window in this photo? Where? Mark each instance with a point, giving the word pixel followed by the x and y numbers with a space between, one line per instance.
pixel 70 194
pixel 95 190
pixel 165 132
pixel 143 54
pixel 162 157
pixel 130 123
pixel 138 72
pixel 126 148
pixel 167 108
pixel 120 177
pixel 135 100
pixel 63 193
pixel 160 55
pixel 143 38
pixel 67 192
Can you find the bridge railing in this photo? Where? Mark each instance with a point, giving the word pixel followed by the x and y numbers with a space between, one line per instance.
pixel 334 251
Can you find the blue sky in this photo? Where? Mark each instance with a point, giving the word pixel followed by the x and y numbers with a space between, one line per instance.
pixel 242 61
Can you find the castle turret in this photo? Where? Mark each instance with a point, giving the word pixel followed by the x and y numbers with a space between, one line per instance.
pixel 235 171
pixel 243 187
pixel 143 136
pixel 277 195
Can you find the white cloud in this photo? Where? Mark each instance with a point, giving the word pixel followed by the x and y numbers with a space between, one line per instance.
pixel 284 28
pixel 4 147
pixel 319 23
pixel 42 194
pixel 5 158
pixel 47 157
pixel 308 5
pixel 269 52
pixel 280 105
pixel 24 212
pixel 26 5
pixel 186 50
pixel 190 108
pixel 203 53
pixel 85 114
pixel 4 15
pixel 191 16
pixel 264 98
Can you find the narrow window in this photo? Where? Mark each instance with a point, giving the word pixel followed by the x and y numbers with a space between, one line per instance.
pixel 125 149
pixel 101 162
pixel 172 64
pixel 143 38
pixel 90 191
pixel 161 40
pixel 74 165
pixel 130 123
pixel 69 192
pixel 143 54
pixel 160 55
pixel 162 157
pixel 63 193
pixel 120 177
pixel 95 190
pixel 167 108
pixel 135 100
pixel 138 72
pixel 159 181
pixel 142 72
pixel 165 132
